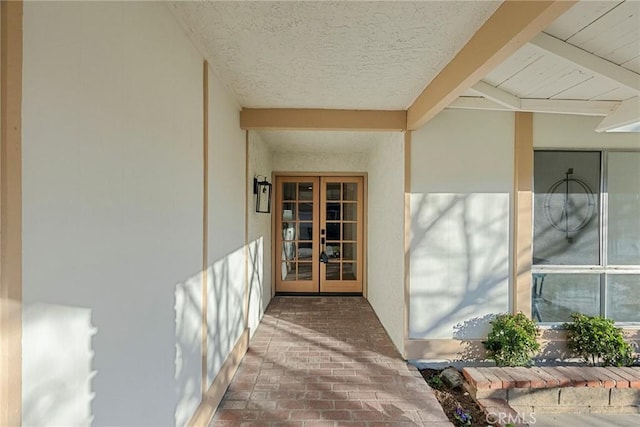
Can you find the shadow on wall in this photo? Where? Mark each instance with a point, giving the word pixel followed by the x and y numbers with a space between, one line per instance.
pixel 57 359
pixel 256 282
pixel 226 281
pixel 459 264
pixel 188 359
pixel 225 309
pixel 225 320
pixel 468 332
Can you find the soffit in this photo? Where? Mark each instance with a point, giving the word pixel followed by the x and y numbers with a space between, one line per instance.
pixel 607 30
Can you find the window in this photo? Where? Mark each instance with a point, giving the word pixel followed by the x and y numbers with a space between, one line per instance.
pixel 586 235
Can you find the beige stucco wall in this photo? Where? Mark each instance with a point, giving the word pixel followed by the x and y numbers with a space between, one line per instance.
pixel 226 275
pixel 565 131
pixel 260 286
pixel 461 182
pixel 320 162
pixel 113 216
pixel 385 243
pixel 461 185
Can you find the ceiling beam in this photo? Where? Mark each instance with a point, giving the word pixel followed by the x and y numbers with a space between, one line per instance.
pixel 318 119
pixel 568 106
pixel 477 103
pixel 496 95
pixel 512 25
pixel 587 61
pixel 555 106
pixel 627 113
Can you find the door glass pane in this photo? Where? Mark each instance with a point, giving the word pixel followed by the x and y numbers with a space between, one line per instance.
pixel 305 211
pixel 349 251
pixel 289 191
pixel 333 231
pixel 305 250
pixel 566 204
pixel 350 191
pixel 332 272
pixel 305 191
pixel 305 271
pixel 333 191
pixel 306 231
pixel 349 271
pixel 623 297
pixel 350 211
pixel 333 211
pixel 288 230
pixel 624 206
pixel 288 211
pixel 332 249
pixel 349 231
pixel 288 251
pixel 556 296
pixel 288 271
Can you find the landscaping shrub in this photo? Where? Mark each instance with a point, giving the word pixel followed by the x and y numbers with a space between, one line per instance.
pixel 596 340
pixel 512 340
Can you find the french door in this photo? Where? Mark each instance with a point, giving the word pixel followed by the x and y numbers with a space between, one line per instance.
pixel 319 234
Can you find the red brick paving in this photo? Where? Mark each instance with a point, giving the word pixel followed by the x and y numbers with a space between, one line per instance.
pixel 326 361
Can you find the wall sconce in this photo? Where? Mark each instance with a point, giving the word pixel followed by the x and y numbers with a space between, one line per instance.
pixel 262 190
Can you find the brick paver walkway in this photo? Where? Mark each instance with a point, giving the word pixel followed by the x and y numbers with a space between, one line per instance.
pixel 326 361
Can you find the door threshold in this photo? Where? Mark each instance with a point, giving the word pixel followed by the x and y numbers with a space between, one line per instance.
pixel 318 294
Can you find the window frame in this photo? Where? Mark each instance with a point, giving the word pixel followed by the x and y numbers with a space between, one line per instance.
pixel 603 269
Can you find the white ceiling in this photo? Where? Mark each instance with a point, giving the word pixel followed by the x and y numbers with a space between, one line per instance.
pixel 317 54
pixel 608 30
pixel 381 55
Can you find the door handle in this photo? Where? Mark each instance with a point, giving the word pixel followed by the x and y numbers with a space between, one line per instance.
pixel 323 255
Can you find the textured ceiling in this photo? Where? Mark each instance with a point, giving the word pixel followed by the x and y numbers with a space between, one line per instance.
pixel 321 142
pixel 346 55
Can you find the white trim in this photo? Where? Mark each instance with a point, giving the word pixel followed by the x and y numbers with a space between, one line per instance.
pixel 577 107
pixel 473 103
pixel 587 60
pixel 627 113
pixel 556 106
pixel 496 95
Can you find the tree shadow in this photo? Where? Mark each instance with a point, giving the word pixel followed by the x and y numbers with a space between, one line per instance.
pixel 307 351
pixel 57 365
pixel 459 261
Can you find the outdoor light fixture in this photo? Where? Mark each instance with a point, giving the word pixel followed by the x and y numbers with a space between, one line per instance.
pixel 262 190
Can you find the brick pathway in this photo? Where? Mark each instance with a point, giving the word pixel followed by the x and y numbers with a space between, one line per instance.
pixel 326 361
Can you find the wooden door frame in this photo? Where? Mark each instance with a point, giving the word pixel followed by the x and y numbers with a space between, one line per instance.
pixel 330 286
pixel 365 227
pixel 296 285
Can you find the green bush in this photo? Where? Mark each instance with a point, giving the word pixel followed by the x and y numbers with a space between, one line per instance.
pixel 596 340
pixel 512 340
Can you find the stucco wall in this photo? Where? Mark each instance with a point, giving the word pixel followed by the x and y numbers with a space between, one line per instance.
pixel 319 162
pixel 113 227
pixel 385 254
pixel 565 131
pixel 461 181
pixel 260 163
pixel 226 276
